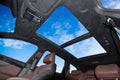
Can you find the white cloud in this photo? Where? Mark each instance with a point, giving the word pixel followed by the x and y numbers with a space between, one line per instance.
pixel 114 4
pixel 82 30
pixel 81 49
pixel 118 32
pixel 61 34
pixel 10 30
pixel 67 25
pixel 56 25
pixel 7 23
pixel 72 49
pixel 93 47
pixel 1 43
pixel 14 43
pixel 86 48
pixel 65 37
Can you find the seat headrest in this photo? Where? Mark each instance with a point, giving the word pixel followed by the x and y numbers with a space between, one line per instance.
pixel 75 75
pixel 90 72
pixel 111 71
pixel 50 58
pixel 76 72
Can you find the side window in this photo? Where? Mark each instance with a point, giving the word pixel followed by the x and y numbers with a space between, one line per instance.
pixel 42 58
pixel 60 64
pixel 72 68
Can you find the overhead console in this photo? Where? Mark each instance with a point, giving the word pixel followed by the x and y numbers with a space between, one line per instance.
pixel 32 14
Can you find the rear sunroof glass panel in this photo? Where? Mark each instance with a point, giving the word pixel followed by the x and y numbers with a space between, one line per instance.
pixel 86 48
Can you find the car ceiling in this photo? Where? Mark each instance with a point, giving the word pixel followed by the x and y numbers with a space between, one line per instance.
pixel 30 16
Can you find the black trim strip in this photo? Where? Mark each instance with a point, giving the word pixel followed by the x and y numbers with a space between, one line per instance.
pixel 83 37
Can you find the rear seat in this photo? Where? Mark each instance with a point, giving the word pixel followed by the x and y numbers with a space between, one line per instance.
pixel 108 72
pixel 79 75
pixel 75 75
pixel 42 72
pixel 89 75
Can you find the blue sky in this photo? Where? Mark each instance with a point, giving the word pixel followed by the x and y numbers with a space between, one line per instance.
pixel 13 48
pixel 60 27
pixel 111 4
pixel 66 27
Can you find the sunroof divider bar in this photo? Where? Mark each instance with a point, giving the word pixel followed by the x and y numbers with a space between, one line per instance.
pixel 80 38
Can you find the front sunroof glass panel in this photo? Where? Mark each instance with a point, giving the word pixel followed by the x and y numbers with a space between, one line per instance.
pixel 7 21
pixel 17 49
pixel 62 26
pixel 85 48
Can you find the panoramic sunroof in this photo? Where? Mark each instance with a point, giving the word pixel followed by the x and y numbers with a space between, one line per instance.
pixel 85 48
pixel 7 22
pixel 17 49
pixel 62 26
pixel 111 4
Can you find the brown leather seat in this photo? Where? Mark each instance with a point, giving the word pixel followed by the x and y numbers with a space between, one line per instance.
pixel 108 72
pixel 44 71
pixel 79 75
pixel 8 71
pixel 89 75
pixel 19 78
pixel 75 75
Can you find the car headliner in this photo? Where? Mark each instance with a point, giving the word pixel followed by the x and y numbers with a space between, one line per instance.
pixel 91 14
